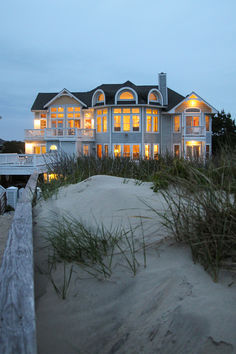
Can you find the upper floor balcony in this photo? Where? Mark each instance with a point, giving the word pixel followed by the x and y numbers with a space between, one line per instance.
pixel 60 134
pixel 194 130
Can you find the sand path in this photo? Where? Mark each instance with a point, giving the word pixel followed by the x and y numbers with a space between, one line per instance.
pixel 171 306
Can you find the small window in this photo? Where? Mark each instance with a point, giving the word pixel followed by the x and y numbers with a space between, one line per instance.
pixel 135 152
pixel 99 124
pixel 149 123
pixel 135 123
pixel 117 123
pixel 126 151
pixel 152 97
pixel 43 124
pixel 147 151
pixel 155 151
pixel 43 149
pixel 85 150
pixel 104 124
pixel 207 119
pixel 176 150
pixel 99 151
pixel 106 151
pixel 126 95
pixel 117 150
pixel 101 97
pixel 60 109
pixel 176 124
pixel 43 115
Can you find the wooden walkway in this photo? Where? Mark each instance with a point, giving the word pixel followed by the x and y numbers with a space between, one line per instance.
pixel 17 308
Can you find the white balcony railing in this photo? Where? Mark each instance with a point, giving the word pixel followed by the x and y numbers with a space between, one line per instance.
pixel 195 131
pixel 81 134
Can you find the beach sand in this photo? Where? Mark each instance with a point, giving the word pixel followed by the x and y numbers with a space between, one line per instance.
pixel 5 223
pixel 171 306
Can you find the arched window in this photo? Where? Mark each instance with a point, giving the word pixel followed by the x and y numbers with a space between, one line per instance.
pixel 98 98
pixel 152 97
pixel 126 95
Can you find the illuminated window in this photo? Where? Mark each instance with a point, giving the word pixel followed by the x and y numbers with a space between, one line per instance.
pixel 176 124
pixel 126 110
pixel 135 123
pixel 37 150
pixel 101 97
pixel 43 149
pixel 152 120
pixel 104 111
pixel 70 115
pixel 104 121
pixel 176 150
pixel 60 109
pixel 60 115
pixel 99 124
pixel 117 110
pixel 106 151
pixel 192 121
pixel 126 150
pixel 87 123
pixel 43 124
pixel 149 123
pixel 70 109
pixel 53 147
pixel 99 151
pixel 155 151
pixel 126 95
pixel 85 150
pixel 126 123
pixel 53 109
pixel 147 151
pixel 77 115
pixel 135 110
pixel 43 115
pixel 117 150
pixel 77 123
pixel 207 119
pixel 77 109
pixel 135 152
pixel 53 115
pixel 117 123
pixel 152 97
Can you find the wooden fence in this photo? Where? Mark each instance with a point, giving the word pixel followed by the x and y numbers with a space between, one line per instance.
pixel 17 308
pixel 3 200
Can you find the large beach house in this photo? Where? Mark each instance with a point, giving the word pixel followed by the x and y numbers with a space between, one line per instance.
pixel 121 120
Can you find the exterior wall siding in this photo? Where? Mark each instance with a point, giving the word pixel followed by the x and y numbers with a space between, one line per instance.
pixel 166 132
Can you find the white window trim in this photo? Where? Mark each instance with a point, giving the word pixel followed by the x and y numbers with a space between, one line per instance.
pixel 153 150
pixel 102 117
pixel 159 95
pixel 118 93
pixel 158 120
pixel 95 96
pixel 131 121
pixel 122 149
pixel 179 149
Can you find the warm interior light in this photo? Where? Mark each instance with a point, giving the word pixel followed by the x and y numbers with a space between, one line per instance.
pixel 192 103
pixel 126 95
pixel 36 124
pixel 53 147
pixel 28 148
pixel 192 143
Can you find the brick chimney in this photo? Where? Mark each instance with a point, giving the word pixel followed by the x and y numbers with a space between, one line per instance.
pixel 163 87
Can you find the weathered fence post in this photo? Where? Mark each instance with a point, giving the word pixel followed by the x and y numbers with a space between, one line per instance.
pixel 17 311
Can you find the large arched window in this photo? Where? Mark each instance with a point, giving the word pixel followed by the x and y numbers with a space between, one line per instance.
pixel 154 96
pixel 98 98
pixel 126 94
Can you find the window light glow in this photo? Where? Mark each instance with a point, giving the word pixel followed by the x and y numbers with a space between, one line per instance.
pixel 53 147
pixel 152 97
pixel 101 97
pixel 126 95
pixel 36 124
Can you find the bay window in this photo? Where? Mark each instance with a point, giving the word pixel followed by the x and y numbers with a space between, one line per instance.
pixel 126 119
pixel 101 120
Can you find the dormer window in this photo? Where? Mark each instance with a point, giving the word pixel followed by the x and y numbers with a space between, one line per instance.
pixel 98 98
pixel 126 95
pixel 153 97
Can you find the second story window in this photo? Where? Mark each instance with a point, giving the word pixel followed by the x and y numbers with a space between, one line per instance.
pixel 152 120
pixel 176 124
pixel 101 120
pixel 207 121
pixel 126 119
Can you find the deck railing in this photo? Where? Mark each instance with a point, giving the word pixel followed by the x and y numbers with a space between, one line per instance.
pixel 46 133
pixel 199 130
pixel 22 159
pixel 17 321
pixel 3 200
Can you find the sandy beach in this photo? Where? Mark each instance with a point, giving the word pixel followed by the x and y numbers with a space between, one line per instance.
pixel 170 306
pixel 5 223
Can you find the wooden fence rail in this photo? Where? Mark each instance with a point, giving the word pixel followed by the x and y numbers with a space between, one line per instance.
pixel 17 308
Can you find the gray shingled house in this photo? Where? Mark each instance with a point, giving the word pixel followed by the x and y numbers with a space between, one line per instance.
pixel 121 120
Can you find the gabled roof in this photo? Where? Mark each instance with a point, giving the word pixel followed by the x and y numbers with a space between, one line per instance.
pixel 192 96
pixel 110 90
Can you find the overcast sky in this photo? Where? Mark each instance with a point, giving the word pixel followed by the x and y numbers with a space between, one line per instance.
pixel 46 45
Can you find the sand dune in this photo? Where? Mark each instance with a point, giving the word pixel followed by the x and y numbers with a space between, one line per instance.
pixel 171 306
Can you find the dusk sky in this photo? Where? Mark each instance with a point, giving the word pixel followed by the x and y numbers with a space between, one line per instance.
pixel 47 45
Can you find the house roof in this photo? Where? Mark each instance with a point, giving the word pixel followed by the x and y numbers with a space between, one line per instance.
pixel 110 90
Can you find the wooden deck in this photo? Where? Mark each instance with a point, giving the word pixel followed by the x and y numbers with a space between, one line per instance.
pixel 22 164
